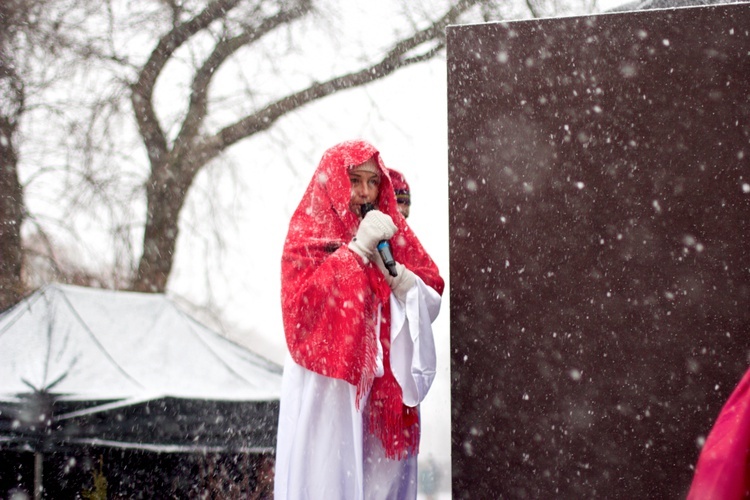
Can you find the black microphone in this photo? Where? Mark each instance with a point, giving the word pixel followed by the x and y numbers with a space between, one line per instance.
pixel 384 248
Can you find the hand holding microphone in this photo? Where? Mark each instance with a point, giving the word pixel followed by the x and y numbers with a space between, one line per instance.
pixel 384 248
pixel 374 231
pixel 373 234
pixel 398 277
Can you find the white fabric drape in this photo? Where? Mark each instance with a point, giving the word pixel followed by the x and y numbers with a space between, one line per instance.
pixel 322 450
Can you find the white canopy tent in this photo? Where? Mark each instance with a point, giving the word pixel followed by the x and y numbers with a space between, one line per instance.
pixel 83 367
pixel 91 344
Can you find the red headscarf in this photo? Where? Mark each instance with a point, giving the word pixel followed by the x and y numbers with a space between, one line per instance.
pixel 330 297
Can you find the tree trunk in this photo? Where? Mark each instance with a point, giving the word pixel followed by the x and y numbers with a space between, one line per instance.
pixel 11 217
pixel 165 195
pixel 11 194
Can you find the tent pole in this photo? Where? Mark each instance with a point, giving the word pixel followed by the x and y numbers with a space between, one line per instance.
pixel 38 462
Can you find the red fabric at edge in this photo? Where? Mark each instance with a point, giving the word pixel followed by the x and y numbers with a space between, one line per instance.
pixel 722 470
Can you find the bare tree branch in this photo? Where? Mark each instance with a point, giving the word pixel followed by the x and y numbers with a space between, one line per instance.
pixel 143 89
pixel 224 49
pixel 533 8
pixel 173 171
pixel 396 58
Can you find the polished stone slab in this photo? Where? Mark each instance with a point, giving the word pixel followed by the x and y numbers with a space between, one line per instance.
pixel 600 248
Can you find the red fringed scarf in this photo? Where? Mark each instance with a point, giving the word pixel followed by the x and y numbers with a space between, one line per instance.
pixel 330 298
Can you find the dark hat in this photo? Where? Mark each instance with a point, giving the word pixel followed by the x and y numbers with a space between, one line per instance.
pixel 401 187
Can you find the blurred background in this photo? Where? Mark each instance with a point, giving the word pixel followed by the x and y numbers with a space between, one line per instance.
pixel 162 145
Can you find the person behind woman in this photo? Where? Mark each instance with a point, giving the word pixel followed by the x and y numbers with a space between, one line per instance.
pixel 362 355
pixel 403 194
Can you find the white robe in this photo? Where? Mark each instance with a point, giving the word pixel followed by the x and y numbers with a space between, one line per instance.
pixel 321 449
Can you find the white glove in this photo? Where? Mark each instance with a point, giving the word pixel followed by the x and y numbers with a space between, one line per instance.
pixel 375 227
pixel 401 283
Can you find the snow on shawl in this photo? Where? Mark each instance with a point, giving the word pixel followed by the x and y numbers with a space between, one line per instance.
pixel 330 298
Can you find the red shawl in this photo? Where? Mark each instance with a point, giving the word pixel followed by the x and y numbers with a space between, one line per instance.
pixel 723 469
pixel 330 298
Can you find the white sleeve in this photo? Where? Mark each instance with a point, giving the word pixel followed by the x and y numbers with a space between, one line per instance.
pixel 413 358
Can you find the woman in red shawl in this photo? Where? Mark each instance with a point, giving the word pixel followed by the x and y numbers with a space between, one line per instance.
pixel 362 355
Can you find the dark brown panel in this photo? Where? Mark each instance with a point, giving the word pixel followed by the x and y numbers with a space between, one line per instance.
pixel 600 224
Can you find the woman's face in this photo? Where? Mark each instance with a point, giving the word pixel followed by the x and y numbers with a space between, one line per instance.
pixel 365 187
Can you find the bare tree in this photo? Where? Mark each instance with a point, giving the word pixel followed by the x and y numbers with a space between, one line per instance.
pixel 130 47
pixel 175 162
pixel 35 49
pixel 12 101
